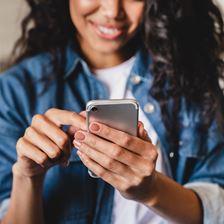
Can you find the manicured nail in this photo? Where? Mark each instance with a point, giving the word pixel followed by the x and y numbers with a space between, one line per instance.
pixel 140 124
pixel 80 136
pixel 73 129
pixel 94 127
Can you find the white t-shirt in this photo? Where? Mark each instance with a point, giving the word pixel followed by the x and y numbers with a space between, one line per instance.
pixel 128 211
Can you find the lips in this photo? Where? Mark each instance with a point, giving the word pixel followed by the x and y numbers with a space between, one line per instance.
pixel 109 32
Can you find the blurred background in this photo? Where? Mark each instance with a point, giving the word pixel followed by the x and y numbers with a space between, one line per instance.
pixel 11 14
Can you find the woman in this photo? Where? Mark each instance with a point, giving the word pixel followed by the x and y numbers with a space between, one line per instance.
pixel 163 53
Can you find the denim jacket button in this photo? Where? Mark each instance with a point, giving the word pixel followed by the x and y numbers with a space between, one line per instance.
pixel 149 108
pixel 171 155
pixel 135 79
pixel 180 143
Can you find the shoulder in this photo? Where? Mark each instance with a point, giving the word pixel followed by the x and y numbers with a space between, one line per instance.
pixel 18 87
pixel 33 68
pixel 21 82
pixel 41 67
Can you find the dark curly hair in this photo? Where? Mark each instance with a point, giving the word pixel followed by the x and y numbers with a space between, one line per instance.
pixel 185 40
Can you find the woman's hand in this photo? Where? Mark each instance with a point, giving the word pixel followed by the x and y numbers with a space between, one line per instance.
pixel 44 144
pixel 124 161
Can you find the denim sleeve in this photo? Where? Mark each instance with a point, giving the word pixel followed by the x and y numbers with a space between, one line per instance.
pixel 212 198
pixel 12 126
pixel 4 205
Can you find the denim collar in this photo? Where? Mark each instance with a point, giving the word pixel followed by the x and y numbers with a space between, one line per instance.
pixel 141 65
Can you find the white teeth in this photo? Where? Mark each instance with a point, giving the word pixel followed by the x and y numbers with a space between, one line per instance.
pixel 106 30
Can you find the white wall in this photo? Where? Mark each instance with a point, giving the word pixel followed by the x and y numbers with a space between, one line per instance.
pixel 11 14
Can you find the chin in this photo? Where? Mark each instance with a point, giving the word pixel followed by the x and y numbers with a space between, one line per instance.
pixel 108 49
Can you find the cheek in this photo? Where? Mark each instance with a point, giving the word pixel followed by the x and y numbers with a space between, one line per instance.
pixel 135 18
pixel 81 8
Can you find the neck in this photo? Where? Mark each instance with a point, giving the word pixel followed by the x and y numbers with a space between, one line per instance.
pixel 106 60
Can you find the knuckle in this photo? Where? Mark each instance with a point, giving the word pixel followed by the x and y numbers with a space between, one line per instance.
pixel 148 170
pixel 63 141
pixel 105 131
pixel 37 119
pixel 92 142
pixel 55 153
pixel 19 145
pixel 117 152
pixel 42 159
pixel 76 117
pixel 73 114
pixel 109 163
pixel 50 111
pixel 126 140
pixel 28 132
pixel 101 172
pixel 19 142
pixel 154 154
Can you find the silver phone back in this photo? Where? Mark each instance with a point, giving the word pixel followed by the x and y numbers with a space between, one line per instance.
pixel 119 114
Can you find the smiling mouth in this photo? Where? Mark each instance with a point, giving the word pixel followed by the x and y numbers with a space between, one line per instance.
pixel 107 32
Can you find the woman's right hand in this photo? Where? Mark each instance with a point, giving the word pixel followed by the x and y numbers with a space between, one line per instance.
pixel 44 144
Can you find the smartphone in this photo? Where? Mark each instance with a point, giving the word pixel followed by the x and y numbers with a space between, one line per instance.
pixel 121 114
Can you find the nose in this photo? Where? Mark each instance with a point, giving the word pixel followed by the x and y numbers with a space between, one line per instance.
pixel 112 9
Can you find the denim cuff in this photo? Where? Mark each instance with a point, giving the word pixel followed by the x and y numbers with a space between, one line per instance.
pixel 212 198
pixel 4 205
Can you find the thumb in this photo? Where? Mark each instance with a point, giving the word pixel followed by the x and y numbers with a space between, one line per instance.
pixel 142 133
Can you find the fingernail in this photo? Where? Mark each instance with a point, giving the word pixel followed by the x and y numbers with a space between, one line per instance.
pixel 76 144
pixel 140 124
pixel 80 136
pixel 94 127
pixel 73 129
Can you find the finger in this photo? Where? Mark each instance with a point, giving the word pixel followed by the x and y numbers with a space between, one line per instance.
pixel 142 133
pixel 115 152
pixel 53 132
pixel 140 129
pixel 28 150
pixel 63 117
pixel 146 136
pixel 111 178
pixel 72 129
pixel 132 143
pixel 43 143
pixel 83 113
pixel 106 162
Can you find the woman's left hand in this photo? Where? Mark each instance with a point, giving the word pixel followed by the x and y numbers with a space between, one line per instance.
pixel 124 161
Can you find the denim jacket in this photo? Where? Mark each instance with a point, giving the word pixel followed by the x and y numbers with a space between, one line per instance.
pixel 70 195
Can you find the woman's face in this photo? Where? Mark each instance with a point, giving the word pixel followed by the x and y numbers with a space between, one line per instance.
pixel 105 26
